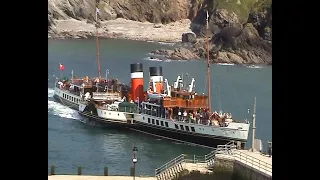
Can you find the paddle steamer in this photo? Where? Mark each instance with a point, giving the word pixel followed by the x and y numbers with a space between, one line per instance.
pixel 156 111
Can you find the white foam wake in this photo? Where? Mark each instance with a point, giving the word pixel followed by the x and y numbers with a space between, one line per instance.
pixel 162 43
pixel 50 92
pixel 58 109
pixel 254 66
pixel 157 59
pixel 225 64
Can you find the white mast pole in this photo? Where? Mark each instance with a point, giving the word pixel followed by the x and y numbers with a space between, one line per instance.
pixel 253 124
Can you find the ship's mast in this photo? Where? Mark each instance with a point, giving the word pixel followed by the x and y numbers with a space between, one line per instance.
pixel 208 63
pixel 97 42
pixel 254 123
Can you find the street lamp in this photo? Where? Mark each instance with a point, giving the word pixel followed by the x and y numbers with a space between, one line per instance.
pixel 134 160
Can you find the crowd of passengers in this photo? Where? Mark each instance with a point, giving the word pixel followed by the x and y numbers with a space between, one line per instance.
pixel 201 116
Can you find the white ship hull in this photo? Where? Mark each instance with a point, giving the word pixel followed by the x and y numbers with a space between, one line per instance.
pixel 66 98
pixel 204 135
pixel 105 116
pixel 234 131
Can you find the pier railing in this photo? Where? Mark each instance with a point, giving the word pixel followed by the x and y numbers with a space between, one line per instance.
pixel 194 159
pixel 253 162
pixel 231 149
pixel 228 148
pixel 173 162
pixel 183 158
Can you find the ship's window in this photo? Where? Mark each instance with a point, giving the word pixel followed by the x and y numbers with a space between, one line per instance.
pixel 71 98
pixel 181 127
pixel 118 114
pixel 152 121
pixel 192 129
pixel 105 112
pixel 63 95
pixel 177 127
pixel 166 123
pixel 157 122
pixel 187 128
pixel 148 120
pixel 110 114
pixel 161 123
pixel 143 118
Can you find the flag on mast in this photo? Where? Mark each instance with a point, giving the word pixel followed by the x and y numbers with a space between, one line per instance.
pixel 61 67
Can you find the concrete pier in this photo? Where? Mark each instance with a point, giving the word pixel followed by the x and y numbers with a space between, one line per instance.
pixel 202 167
pixel 252 165
pixel 77 177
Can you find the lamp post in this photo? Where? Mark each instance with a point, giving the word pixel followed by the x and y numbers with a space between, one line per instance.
pixel 134 160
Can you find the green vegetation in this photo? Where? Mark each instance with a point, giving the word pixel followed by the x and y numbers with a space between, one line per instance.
pixel 267 29
pixel 242 7
pixel 101 5
pixel 261 5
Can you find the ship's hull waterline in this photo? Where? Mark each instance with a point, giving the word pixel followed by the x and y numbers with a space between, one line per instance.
pixel 159 131
pixel 210 142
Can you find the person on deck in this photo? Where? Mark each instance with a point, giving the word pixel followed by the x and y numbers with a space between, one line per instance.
pixel 166 113
pixel 179 115
pixel 191 117
pixel 185 115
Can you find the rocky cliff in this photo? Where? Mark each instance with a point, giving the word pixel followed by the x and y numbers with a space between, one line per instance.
pixel 240 31
pixel 157 11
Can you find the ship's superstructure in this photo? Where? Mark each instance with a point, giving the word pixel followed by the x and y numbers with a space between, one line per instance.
pixel 167 111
